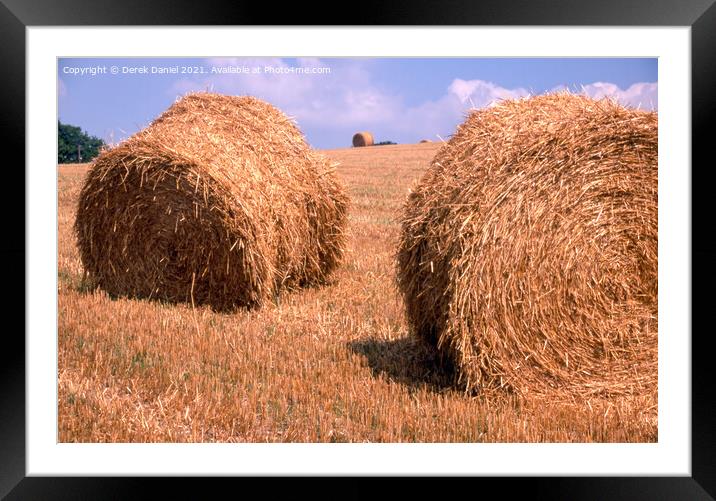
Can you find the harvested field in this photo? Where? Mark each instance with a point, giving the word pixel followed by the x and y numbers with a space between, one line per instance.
pixel 328 364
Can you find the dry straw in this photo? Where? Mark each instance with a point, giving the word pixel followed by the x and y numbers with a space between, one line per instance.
pixel 218 201
pixel 528 252
pixel 362 139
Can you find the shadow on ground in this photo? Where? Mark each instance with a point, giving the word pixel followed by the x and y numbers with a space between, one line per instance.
pixel 407 361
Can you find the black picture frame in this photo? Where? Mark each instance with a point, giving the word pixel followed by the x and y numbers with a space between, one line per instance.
pixel 700 15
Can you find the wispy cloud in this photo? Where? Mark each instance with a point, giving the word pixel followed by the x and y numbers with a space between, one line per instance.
pixel 479 93
pixel 349 99
pixel 642 95
pixel 346 96
pixel 61 88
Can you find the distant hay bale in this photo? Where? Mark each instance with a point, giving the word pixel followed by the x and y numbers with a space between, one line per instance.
pixel 528 253
pixel 362 139
pixel 218 201
pixel 425 141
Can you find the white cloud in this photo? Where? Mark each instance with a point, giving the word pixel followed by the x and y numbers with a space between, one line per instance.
pixel 344 97
pixel 443 115
pixel 439 118
pixel 348 98
pixel 642 95
pixel 480 93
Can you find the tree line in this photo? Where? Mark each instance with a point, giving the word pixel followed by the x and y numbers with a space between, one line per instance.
pixel 75 146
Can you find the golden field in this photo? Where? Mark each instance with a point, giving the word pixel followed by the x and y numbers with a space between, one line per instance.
pixel 332 364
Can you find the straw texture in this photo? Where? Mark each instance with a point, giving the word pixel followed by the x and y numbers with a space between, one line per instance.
pixel 218 201
pixel 528 253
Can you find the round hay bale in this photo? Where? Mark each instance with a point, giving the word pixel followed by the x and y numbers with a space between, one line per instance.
pixel 362 139
pixel 218 201
pixel 528 253
pixel 425 141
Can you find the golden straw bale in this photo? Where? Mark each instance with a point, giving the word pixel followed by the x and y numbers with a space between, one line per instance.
pixel 528 253
pixel 362 139
pixel 218 201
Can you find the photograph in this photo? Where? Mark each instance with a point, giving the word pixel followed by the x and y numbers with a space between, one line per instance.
pixel 439 243
pixel 357 249
pixel 433 241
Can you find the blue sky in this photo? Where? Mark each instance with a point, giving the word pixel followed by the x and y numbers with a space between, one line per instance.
pixel 401 100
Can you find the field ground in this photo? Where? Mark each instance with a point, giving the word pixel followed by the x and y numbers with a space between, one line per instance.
pixel 334 364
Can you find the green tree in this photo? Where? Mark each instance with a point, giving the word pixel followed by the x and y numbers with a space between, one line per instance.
pixel 69 138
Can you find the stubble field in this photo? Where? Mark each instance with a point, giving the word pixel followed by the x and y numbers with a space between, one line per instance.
pixel 332 364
